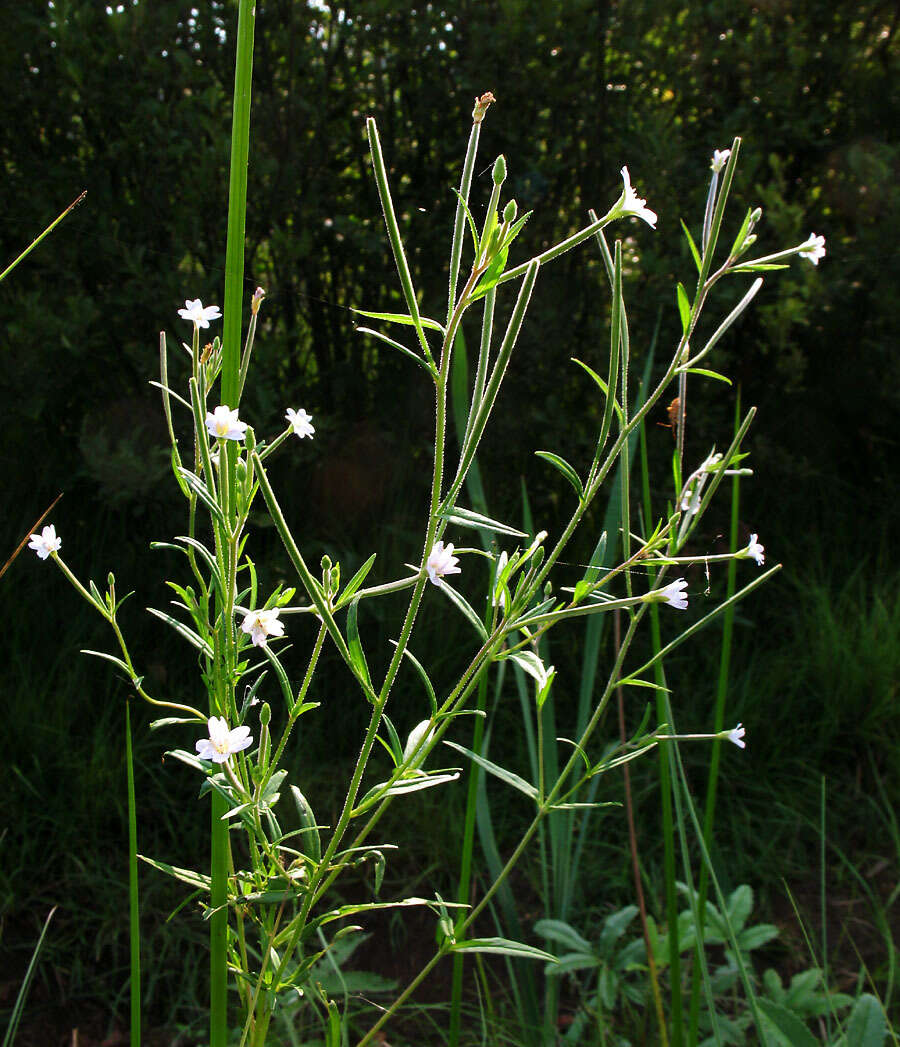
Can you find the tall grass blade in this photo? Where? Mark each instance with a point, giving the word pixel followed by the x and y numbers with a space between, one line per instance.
pixel 19 1005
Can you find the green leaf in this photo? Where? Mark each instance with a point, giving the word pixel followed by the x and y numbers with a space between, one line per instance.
pixel 684 308
pixel 464 606
pixel 354 646
pixel 762 267
pixel 567 470
pixel 188 634
pixel 503 947
pixel 420 669
pixel 516 228
pixel 400 318
pixel 311 844
pixel 394 345
pixel 867 1026
pixel 694 253
pixel 170 721
pixel 188 876
pixel 468 518
pixel 787 1024
pixel 200 489
pixel 356 581
pixel 708 374
pixel 604 388
pixel 469 219
pixel 492 275
pixel 564 933
pixel 498 772
pixel 110 658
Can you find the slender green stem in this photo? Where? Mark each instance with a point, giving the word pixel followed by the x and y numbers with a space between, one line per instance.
pixel 665 791
pixel 718 721
pixel 48 230
pixel 133 900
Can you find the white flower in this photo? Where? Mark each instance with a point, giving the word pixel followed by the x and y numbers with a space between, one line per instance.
pixel 441 561
pixel 225 424
pixel 221 742
pixel 260 624
pixel 736 735
pixel 630 203
pixel 300 422
pixel 755 550
pixel 200 317
pixel 814 248
pixel 719 159
pixel 46 542
pixel 690 503
pixel 674 594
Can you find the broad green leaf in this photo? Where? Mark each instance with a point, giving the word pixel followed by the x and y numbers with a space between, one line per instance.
pixel 564 933
pixel 567 470
pixel 867 1026
pixel 468 518
pixel 787 1024
pixel 503 947
pixel 492 275
pixel 498 772
pixel 401 318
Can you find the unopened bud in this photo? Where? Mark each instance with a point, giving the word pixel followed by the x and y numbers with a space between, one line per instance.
pixel 258 295
pixel 265 714
pixel 481 106
pixel 499 173
pixel 510 212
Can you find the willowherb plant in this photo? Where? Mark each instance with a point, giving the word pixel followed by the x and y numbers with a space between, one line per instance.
pixel 269 892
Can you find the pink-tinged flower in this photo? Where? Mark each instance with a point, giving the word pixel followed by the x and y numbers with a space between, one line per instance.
pixel 674 594
pixel 300 422
pixel 755 550
pixel 262 624
pixel 441 561
pixel 199 317
pixel 225 424
pixel 46 542
pixel 719 159
pixel 736 735
pixel 222 743
pixel 630 203
pixel 814 248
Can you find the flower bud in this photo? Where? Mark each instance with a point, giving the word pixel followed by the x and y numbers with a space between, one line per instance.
pixel 510 211
pixel 256 300
pixel 481 106
pixel 499 172
pixel 265 714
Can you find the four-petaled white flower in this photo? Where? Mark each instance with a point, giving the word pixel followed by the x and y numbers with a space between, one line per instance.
pixel 199 317
pixel 441 561
pixel 674 594
pixel 300 422
pixel 46 542
pixel 719 159
pixel 260 624
pixel 630 203
pixel 222 743
pixel 755 550
pixel 736 735
pixel 225 424
pixel 814 248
